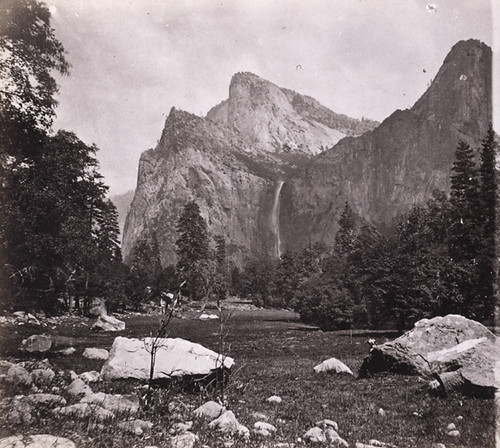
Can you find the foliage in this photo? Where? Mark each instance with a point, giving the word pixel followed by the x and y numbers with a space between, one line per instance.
pixel 194 265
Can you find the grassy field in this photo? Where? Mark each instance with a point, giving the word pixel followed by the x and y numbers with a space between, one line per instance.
pixel 275 355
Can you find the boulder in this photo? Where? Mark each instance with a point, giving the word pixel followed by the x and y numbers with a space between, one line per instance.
pixel 136 426
pixel 210 410
pixel 184 440
pixel 38 343
pixel 91 376
pixel 274 399
pixel 108 323
pixel 131 358
pixel 43 377
pixel 96 353
pixel 19 376
pixel 456 351
pixel 36 441
pixel 332 365
pixel 78 389
pixel 85 410
pixel 114 403
pixel 16 410
pixel 228 424
pixel 263 429
pixel 49 400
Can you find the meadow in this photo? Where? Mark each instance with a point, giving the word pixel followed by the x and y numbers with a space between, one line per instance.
pixel 274 355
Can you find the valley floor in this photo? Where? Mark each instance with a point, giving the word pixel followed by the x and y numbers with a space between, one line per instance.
pixel 275 354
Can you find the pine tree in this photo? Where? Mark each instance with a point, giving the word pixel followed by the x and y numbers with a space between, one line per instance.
pixel 344 239
pixel 193 251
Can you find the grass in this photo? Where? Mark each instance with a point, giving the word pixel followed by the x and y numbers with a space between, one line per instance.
pixel 275 355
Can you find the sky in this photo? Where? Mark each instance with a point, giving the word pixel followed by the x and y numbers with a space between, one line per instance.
pixel 133 60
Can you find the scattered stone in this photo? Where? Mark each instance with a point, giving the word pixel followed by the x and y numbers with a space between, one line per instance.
pixel 36 441
pixel 130 358
pixel 460 349
pixel 114 403
pixel 179 428
pixel 27 318
pixel 263 429
pixel 19 376
pixel 85 410
pixel 315 435
pixel 46 400
pixel 92 376
pixel 327 424
pixel 274 399
pixel 78 389
pixel 108 323
pixel 67 351
pixel 451 427
pixel 332 365
pixel 96 353
pixel 454 433
pixel 260 416
pixel 16 410
pixel 381 412
pixel 38 343
pixel 136 426
pixel 228 424
pixel 210 410
pixel 460 418
pixel 184 440
pixel 208 316
pixel 333 438
pixel 43 377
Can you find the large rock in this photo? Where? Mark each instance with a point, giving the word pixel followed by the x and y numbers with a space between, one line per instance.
pixel 332 365
pixel 38 343
pixel 36 441
pixel 95 353
pixel 228 424
pixel 131 358
pixel 458 352
pixel 108 323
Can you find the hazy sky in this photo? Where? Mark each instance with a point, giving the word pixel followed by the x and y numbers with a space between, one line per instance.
pixel 132 60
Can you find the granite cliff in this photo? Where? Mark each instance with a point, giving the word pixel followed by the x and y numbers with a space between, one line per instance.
pixel 259 167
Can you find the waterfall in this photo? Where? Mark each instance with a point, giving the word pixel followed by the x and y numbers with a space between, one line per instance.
pixel 275 217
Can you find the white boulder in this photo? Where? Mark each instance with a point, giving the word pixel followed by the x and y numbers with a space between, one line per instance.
pixel 332 365
pixel 210 410
pixel 108 323
pixel 37 343
pixel 36 441
pixel 96 353
pixel 131 358
pixel 228 424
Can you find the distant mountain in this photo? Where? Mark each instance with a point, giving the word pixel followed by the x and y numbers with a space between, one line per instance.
pixel 122 203
pixel 269 165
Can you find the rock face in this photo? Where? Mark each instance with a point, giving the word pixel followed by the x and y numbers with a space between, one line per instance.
pixel 460 351
pixel 259 168
pixel 130 358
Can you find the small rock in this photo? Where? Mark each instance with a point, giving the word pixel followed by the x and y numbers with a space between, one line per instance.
pixel 210 410
pixel 228 424
pixel 264 425
pixel 274 399
pixel 67 351
pixel 85 410
pixel 46 399
pixel 36 441
pixel 454 433
pixel 108 323
pixel 78 389
pixel 43 377
pixel 38 343
pixel 333 438
pixel 179 428
pixel 96 353
pixel 315 435
pixel 451 427
pixel 19 376
pixel 91 376
pixel 208 316
pixel 184 440
pixel 260 416
pixel 332 365
pixel 460 418
pixel 114 403
pixel 134 426
pixel 381 412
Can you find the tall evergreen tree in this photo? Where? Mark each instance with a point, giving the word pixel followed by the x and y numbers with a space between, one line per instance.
pixel 193 265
